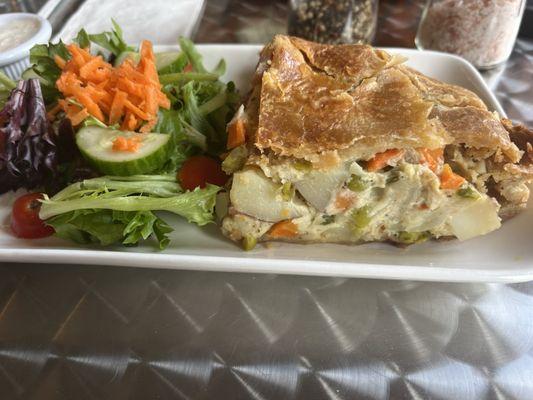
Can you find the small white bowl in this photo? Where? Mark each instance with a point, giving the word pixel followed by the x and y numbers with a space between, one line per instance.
pixel 13 61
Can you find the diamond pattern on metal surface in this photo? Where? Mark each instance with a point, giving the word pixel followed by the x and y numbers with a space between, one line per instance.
pixel 76 332
pixel 104 333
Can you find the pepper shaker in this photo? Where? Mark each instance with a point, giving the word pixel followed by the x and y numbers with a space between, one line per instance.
pixel 334 21
pixel 482 31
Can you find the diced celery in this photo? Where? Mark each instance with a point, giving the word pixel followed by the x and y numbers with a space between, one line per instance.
pixel 413 237
pixel 235 160
pixel 287 191
pixel 302 165
pixel 360 218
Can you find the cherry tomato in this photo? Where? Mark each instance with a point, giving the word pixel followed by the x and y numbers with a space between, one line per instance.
pixel 25 221
pixel 200 170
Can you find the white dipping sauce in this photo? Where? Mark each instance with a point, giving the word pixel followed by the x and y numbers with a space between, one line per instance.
pixel 17 32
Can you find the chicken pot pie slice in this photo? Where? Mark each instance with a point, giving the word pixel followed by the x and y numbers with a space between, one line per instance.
pixel 345 144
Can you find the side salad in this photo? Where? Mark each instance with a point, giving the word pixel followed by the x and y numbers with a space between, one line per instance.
pixel 107 135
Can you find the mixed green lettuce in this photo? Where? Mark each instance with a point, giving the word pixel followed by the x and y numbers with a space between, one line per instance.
pixel 107 227
pixel 6 86
pixel 45 68
pixel 110 210
pixel 112 41
pixel 201 106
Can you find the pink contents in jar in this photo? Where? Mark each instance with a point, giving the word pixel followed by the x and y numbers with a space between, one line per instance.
pixel 482 31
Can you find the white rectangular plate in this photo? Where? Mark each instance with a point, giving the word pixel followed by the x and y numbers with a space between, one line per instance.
pixel 502 256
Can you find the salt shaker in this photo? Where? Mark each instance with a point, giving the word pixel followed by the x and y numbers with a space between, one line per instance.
pixel 482 31
pixel 334 21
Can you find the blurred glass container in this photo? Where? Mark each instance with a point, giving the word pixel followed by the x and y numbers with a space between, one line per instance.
pixel 482 31
pixel 334 21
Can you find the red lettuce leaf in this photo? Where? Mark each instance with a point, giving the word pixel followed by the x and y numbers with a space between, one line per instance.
pixel 28 154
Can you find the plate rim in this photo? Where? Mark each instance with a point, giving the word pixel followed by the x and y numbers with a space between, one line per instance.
pixel 263 265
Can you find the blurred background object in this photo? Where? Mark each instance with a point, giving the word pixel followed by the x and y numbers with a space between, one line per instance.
pixel 333 21
pixel 483 32
pixel 256 21
pixel 526 30
pixel 179 19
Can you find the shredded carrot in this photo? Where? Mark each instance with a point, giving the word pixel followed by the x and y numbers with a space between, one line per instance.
pixel 147 61
pixel 131 145
pixel 136 110
pixel 60 62
pixel 79 55
pixel 128 94
pixel 236 134
pixel 93 108
pixel 148 126
pixel 283 229
pixel 431 157
pixel 105 106
pixel 74 112
pixel 130 87
pixel 380 160
pixel 53 111
pixel 78 118
pixel 88 69
pixel 449 179
pixel 151 100
pixel 117 107
pixel 130 122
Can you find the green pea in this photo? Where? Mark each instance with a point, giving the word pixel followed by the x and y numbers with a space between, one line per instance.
pixel 248 242
pixel 468 193
pixel 357 184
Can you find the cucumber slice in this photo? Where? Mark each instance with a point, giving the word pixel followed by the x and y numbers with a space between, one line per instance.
pixel 96 146
pixel 166 59
pixel 132 55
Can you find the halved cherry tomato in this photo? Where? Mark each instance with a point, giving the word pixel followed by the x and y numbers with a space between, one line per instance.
pixel 199 171
pixel 25 221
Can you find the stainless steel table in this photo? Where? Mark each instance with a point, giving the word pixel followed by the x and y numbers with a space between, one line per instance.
pixel 73 332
